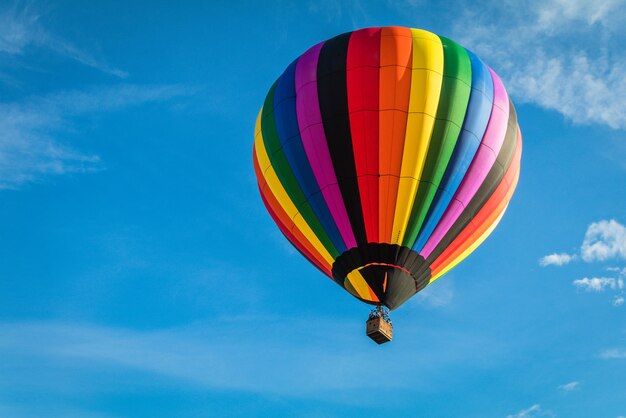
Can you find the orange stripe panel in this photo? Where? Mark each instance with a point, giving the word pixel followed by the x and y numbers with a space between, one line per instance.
pixel 396 56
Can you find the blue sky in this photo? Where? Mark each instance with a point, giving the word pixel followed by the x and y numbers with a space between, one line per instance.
pixel 141 277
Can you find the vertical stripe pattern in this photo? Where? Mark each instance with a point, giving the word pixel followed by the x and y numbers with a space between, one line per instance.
pixel 386 156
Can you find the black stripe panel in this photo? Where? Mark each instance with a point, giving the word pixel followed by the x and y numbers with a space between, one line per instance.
pixel 378 262
pixel 333 101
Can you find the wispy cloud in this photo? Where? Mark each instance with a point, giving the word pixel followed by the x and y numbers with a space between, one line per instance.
pixel 18 28
pixel 562 55
pixel 33 410
pixel 569 387
pixel 613 353
pixel 32 144
pixel 295 356
pixel 555 259
pixel 334 10
pixel 533 411
pixel 557 15
pixel 21 28
pixel 437 295
pixel 598 284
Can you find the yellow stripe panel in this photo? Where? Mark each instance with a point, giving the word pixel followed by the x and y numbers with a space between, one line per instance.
pixel 426 80
pixel 471 248
pixel 281 195
pixel 359 284
pixel 348 286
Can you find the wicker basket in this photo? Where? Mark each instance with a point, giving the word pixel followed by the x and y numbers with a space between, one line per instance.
pixel 379 330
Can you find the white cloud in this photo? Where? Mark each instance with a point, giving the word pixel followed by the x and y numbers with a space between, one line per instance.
pixel 21 28
pixel 563 55
pixel 32 144
pixel 556 259
pixel 568 387
pixel 533 411
pixel 598 284
pixel 613 353
pixel 604 240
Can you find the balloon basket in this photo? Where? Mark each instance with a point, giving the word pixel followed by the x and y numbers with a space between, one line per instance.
pixel 378 326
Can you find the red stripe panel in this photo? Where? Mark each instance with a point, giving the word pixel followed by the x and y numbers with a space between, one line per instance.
pixel 362 73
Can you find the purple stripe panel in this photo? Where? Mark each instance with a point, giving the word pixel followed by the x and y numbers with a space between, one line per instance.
pixel 481 164
pixel 314 141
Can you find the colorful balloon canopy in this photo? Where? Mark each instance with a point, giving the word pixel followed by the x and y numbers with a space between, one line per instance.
pixel 386 156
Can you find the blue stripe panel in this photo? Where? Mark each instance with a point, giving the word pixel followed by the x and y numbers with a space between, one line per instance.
pixel 291 141
pixel 472 131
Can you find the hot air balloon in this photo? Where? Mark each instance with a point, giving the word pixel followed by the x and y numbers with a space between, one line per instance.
pixel 386 156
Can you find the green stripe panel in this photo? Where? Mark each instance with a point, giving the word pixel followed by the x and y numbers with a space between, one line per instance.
pixel 455 93
pixel 285 174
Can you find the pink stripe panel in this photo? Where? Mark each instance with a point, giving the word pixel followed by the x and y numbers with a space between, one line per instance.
pixel 481 164
pixel 314 141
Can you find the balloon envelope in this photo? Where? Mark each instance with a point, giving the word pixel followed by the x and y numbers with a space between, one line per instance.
pixel 386 156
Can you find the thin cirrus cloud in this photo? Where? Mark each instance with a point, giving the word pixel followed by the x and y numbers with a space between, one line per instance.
pixel 32 145
pixel 532 411
pixel 438 295
pixel 21 29
pixel 569 387
pixel 613 354
pixel 231 353
pixel 16 410
pixel 563 55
